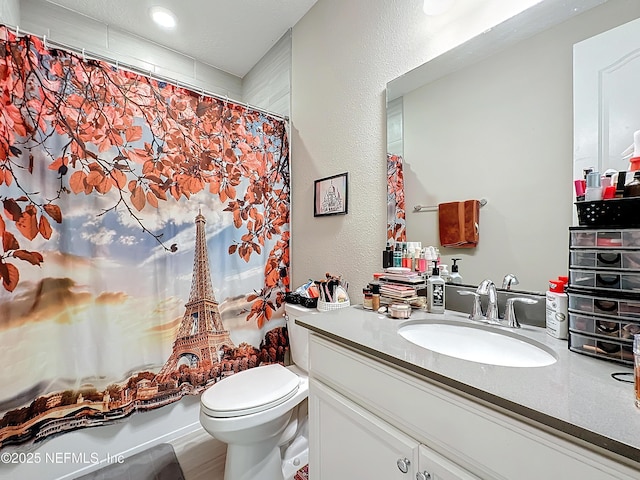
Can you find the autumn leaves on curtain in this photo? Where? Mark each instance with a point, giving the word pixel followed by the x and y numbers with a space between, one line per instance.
pixel 107 179
pixel 396 231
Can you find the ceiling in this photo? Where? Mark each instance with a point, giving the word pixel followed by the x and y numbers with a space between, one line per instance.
pixel 231 35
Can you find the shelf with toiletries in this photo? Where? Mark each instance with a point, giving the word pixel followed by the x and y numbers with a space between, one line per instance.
pixel 608 200
pixel 604 292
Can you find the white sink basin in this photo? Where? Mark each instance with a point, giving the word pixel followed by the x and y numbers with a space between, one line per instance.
pixel 477 344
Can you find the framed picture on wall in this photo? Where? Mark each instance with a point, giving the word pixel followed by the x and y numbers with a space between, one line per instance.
pixel 330 195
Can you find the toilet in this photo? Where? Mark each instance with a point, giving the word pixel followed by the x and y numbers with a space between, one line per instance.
pixel 255 412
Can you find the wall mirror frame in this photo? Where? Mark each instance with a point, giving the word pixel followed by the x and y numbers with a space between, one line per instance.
pixel 493 118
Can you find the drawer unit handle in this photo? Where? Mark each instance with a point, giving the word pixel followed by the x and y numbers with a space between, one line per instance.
pixel 423 476
pixel 607 280
pixel 607 327
pixel 608 307
pixel 609 258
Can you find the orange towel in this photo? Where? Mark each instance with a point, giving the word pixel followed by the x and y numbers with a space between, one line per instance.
pixel 459 223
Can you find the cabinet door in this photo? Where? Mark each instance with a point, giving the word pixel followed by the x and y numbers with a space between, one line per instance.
pixel 433 466
pixel 349 443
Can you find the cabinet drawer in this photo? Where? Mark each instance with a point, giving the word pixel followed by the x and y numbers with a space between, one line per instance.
pixel 628 282
pixel 610 238
pixel 604 327
pixel 619 259
pixel 616 350
pixel 604 306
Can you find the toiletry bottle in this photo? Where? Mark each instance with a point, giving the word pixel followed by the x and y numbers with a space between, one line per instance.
pixel 375 296
pixel 435 292
pixel 622 179
pixel 594 187
pixel 557 314
pixel 444 273
pixel 397 256
pixel 421 262
pixel 455 275
pixel 387 257
pixel 367 303
pixel 405 258
pixel 632 189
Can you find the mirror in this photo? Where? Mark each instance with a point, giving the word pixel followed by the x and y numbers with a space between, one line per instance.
pixel 493 119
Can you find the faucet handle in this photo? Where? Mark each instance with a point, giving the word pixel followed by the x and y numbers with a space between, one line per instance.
pixel 508 280
pixel 510 314
pixel 476 311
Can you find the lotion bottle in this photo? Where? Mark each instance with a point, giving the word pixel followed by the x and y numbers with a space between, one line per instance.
pixel 435 292
pixel 455 275
pixel 557 315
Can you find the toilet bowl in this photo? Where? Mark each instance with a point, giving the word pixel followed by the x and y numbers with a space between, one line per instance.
pixel 251 410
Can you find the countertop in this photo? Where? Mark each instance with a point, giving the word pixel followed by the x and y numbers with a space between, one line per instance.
pixel 576 395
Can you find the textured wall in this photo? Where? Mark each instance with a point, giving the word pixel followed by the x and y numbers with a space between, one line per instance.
pixel 344 53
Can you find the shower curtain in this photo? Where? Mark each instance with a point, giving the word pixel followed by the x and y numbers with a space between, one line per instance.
pixel 145 241
pixel 395 201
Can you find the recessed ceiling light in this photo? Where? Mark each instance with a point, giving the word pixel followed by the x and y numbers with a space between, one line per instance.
pixel 436 7
pixel 163 17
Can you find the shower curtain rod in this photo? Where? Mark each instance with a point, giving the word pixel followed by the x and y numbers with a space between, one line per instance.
pixel 125 66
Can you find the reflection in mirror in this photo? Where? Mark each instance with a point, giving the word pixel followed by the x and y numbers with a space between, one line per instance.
pixel 493 119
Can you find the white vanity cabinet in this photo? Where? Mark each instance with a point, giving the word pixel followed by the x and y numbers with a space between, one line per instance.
pixel 351 443
pixel 369 417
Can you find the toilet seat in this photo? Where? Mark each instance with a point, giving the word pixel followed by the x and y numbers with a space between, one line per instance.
pixel 250 391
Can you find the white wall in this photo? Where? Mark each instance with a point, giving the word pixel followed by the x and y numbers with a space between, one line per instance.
pixel 344 53
pixel 502 129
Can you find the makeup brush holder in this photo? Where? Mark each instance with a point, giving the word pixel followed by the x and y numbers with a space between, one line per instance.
pixel 328 306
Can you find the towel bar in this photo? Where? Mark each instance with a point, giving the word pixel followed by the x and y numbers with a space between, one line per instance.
pixel 434 208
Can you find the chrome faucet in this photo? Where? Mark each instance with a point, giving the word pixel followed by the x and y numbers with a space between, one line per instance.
pixel 488 288
pixel 508 280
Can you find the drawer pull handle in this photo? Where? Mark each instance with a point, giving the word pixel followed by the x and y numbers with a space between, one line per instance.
pixel 423 476
pixel 403 464
pixel 607 279
pixel 606 306
pixel 609 258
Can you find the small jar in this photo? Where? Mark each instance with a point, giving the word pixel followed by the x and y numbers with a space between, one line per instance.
pixel 632 189
pixel 375 297
pixel 368 299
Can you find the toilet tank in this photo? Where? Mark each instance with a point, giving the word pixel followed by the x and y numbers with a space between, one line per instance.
pixel 298 336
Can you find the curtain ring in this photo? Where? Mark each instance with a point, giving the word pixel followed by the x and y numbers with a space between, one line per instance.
pixel 17 31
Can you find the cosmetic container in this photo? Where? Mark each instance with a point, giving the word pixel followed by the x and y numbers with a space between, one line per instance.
pixel 636 369
pixel 367 303
pixel 620 182
pixel 375 297
pixel 579 185
pixel 632 189
pixel 435 292
pixel 455 275
pixel 594 187
pixel 387 257
pixel 397 256
pixel 557 314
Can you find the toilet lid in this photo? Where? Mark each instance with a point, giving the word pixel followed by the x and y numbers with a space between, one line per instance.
pixel 250 391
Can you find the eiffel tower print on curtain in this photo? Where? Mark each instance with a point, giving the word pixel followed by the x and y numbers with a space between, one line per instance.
pixel 201 335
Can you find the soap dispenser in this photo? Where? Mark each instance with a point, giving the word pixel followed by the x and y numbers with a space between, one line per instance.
pixel 455 275
pixel 435 292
